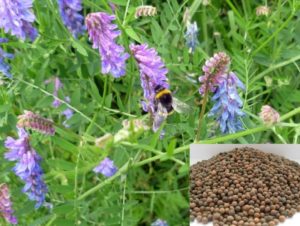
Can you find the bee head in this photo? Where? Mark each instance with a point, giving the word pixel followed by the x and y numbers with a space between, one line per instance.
pixel 158 88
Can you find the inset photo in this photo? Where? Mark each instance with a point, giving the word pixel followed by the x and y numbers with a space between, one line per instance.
pixel 237 184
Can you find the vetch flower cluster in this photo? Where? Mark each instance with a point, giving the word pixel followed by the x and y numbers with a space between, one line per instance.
pixel 159 222
pixel 4 67
pixel 36 122
pixel 68 113
pixel 214 69
pixel 227 103
pixel 191 36
pixel 27 167
pixel 102 32
pixel 6 210
pixel 16 17
pixel 152 73
pixel 70 14
pixel 106 167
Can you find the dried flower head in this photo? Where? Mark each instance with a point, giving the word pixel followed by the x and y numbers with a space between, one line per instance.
pixel 269 115
pixel 4 67
pixel 191 36
pixel 70 14
pixel 145 10
pixel 104 140
pixel 36 122
pixel 6 210
pixel 159 222
pixel 262 10
pixel 130 128
pixel 106 167
pixel 102 32
pixel 186 16
pixel 214 69
pixel 16 17
pixel 27 167
pixel 205 2
pixel 152 73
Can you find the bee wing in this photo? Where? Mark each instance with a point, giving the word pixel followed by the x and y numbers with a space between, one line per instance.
pixel 159 117
pixel 180 107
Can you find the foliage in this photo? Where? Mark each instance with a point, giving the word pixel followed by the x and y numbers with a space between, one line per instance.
pixel 152 180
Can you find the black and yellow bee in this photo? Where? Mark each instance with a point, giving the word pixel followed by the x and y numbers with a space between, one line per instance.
pixel 164 105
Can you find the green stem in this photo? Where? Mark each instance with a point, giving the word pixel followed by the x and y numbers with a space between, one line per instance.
pixel 204 28
pixel 104 91
pixel 202 112
pixel 272 68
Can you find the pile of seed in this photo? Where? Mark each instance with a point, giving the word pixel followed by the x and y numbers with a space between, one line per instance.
pixel 244 187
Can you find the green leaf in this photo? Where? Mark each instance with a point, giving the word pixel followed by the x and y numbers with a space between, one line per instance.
pixel 171 147
pixel 132 34
pixel 78 46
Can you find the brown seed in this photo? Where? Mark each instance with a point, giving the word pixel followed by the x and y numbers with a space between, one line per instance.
pixel 281 218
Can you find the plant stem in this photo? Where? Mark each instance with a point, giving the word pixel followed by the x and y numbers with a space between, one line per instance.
pixel 202 112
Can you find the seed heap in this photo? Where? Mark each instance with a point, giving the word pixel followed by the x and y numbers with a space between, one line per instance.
pixel 244 187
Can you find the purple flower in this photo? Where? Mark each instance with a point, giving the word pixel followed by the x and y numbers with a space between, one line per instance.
pixel 152 73
pixel 102 32
pixel 191 36
pixel 68 113
pixel 72 19
pixel 27 166
pixel 106 167
pixel 5 205
pixel 214 69
pixel 4 67
pixel 16 17
pixel 228 104
pixel 159 222
pixel 57 85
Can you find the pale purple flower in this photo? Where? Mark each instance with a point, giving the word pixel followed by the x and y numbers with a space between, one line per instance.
pixel 191 36
pixel 269 115
pixel 27 167
pixel 16 17
pixel 68 113
pixel 102 32
pixel 214 69
pixel 4 67
pixel 152 73
pixel 36 122
pixel 57 86
pixel 159 222
pixel 6 210
pixel 106 167
pixel 70 14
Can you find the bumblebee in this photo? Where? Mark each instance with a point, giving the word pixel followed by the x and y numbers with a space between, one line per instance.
pixel 163 97
pixel 164 105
